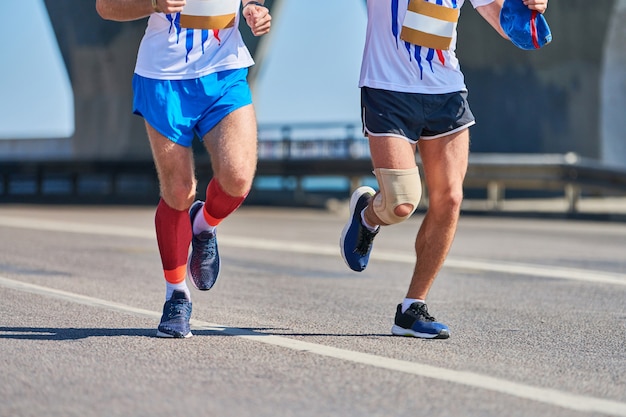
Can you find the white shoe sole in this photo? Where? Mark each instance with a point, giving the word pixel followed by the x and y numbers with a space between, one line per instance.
pixel 169 336
pixel 401 331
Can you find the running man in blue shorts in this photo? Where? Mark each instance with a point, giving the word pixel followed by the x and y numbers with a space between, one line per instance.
pixel 413 98
pixel 191 80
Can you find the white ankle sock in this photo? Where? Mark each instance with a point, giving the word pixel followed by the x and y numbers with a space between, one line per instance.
pixel 199 223
pixel 170 288
pixel 366 224
pixel 407 303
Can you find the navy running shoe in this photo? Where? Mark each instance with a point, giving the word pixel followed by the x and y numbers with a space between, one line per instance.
pixel 175 318
pixel 356 240
pixel 203 265
pixel 416 322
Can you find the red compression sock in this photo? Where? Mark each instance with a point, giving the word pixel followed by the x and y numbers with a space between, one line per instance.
pixel 218 204
pixel 173 230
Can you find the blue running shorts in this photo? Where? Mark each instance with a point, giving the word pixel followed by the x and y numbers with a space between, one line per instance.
pixel 180 109
pixel 414 116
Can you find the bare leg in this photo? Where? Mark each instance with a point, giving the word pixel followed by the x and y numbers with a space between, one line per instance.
pixel 445 164
pixel 232 145
pixel 175 168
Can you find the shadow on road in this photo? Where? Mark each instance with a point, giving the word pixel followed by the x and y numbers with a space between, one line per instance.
pixel 56 333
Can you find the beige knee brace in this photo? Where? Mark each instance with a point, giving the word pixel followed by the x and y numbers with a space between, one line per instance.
pixel 397 186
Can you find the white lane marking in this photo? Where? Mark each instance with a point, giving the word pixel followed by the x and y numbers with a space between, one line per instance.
pixel 456 263
pixel 543 395
pixel 572 274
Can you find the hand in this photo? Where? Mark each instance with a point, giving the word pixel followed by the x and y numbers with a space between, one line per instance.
pixel 258 18
pixel 170 6
pixel 538 5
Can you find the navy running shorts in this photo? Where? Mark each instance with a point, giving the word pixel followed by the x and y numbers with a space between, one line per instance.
pixel 414 116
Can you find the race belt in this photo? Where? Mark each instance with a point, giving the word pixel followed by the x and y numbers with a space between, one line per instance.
pixel 209 14
pixel 429 24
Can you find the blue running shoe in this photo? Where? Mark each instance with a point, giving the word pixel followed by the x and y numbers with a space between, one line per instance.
pixel 416 322
pixel 356 240
pixel 203 265
pixel 175 318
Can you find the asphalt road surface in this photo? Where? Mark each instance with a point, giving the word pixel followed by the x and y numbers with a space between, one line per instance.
pixel 536 308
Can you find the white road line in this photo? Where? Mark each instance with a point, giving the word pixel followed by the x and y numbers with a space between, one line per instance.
pixel 572 274
pixel 543 395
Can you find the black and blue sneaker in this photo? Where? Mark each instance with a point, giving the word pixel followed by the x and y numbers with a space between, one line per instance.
pixel 175 318
pixel 416 322
pixel 203 265
pixel 356 240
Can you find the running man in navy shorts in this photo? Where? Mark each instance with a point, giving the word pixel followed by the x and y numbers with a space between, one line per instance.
pixel 191 80
pixel 413 98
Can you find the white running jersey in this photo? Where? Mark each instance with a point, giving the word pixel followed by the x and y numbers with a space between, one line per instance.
pixel 171 52
pixel 390 63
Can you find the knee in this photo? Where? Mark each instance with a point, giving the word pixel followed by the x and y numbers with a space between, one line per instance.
pixel 448 202
pixel 180 194
pixel 399 195
pixel 237 184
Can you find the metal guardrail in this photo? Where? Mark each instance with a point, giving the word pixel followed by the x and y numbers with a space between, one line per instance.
pixel 298 152
pixel 573 176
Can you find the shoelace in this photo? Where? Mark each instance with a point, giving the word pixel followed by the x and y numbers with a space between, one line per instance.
pixel 178 309
pixel 364 240
pixel 210 247
pixel 421 311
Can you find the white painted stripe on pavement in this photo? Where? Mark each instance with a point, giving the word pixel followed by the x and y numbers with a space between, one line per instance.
pixel 572 274
pixel 543 395
pixel 456 263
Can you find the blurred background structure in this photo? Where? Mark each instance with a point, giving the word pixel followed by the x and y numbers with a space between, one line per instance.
pixel 560 109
